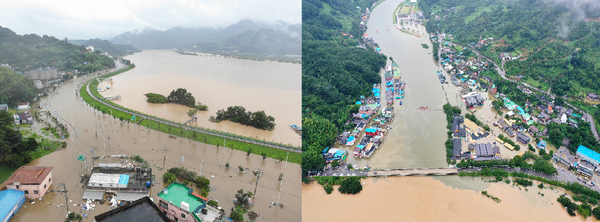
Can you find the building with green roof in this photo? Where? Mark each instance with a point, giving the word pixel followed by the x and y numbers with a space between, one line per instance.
pixel 180 203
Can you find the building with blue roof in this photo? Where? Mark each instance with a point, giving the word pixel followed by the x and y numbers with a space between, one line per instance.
pixel 10 202
pixel 588 155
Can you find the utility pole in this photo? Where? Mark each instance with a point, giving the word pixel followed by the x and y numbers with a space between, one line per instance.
pixel 64 188
pixel 281 188
pixel 257 178
pixel 165 159
pixel 201 167
pixel 286 159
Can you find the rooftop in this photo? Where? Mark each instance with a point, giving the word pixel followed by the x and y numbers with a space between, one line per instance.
pixel 8 199
pixel 178 192
pixel 565 154
pixel 29 175
pixel 143 210
pixel 584 151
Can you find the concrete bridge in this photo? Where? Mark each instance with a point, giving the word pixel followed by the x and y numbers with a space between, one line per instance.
pixel 413 172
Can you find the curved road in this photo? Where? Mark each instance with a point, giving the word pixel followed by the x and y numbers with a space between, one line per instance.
pixel 502 73
pixel 276 146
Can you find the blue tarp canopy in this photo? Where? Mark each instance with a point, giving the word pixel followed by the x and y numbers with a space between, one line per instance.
pixel 350 138
pixel 376 90
pixel 371 130
pixel 339 154
pixel 360 146
pixel 325 150
pixel 358 102
pixel 377 94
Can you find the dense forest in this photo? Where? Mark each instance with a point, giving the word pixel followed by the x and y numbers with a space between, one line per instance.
pixel 26 52
pixel 335 72
pixel 115 50
pixel 14 149
pixel 15 88
pixel 239 114
pixel 557 42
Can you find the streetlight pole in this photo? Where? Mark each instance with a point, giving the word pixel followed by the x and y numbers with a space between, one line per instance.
pixel 286 159
pixel 201 167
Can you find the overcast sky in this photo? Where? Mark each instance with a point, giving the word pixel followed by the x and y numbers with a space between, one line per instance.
pixel 85 19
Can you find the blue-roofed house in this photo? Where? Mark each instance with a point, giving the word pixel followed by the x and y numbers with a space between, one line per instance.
pixel 10 202
pixel 588 155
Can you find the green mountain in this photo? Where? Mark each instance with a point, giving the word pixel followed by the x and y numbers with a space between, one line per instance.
pixel 335 72
pixel 245 37
pixel 15 88
pixel 115 50
pixel 26 52
pixel 558 41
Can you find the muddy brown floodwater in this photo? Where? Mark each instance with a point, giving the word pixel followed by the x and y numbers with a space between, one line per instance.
pixel 427 199
pixel 132 139
pixel 417 140
pixel 217 82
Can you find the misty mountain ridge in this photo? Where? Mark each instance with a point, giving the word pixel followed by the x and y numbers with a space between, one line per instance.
pixel 287 37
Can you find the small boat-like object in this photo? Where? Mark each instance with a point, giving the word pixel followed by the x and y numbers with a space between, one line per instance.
pixel 400 102
pixel 174 137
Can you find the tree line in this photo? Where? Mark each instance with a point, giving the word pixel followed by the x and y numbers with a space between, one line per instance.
pixel 239 114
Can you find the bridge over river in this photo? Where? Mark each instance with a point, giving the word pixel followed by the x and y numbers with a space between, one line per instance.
pixel 414 172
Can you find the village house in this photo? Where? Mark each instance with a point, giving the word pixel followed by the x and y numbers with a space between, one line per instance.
pixel 588 156
pixel 564 156
pixel 544 117
pixel 33 180
pixel 533 130
pixel 521 137
pixel 593 96
pixel 3 107
pixel 25 117
pixel 22 106
pixel 456 148
pixel 181 203
pixel 566 142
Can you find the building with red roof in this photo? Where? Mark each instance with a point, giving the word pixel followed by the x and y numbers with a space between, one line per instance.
pixel 33 180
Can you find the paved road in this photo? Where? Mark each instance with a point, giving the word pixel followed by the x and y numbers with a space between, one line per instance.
pixel 272 145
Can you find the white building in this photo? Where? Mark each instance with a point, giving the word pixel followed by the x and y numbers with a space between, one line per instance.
pixel 90 48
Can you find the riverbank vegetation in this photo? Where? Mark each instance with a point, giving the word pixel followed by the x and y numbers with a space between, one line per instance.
pixel 485 193
pixel 238 114
pixel 155 98
pixel 347 185
pixel 277 154
pixel 450 112
pixel 17 150
pixel 582 193
pixel 186 53
pixel 539 164
pixel 335 73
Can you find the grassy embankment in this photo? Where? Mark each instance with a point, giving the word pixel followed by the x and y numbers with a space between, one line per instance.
pixel 197 136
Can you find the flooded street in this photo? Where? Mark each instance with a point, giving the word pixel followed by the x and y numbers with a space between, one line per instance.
pixel 217 82
pixel 114 137
pixel 427 199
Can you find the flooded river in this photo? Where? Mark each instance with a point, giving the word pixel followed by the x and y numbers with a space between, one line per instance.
pixel 217 82
pixel 122 138
pixel 417 140
pixel 427 199
pixel 417 137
